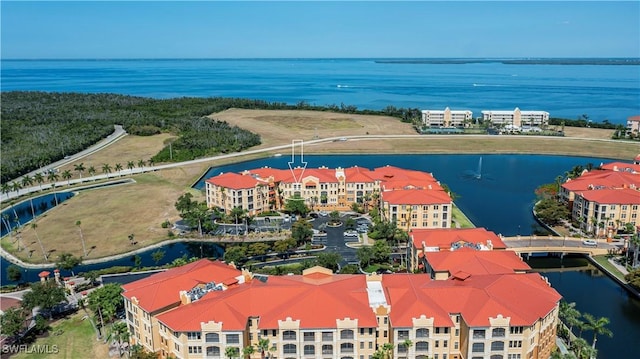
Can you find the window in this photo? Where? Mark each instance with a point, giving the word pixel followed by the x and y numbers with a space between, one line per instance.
pixel 309 350
pixel 346 334
pixel 455 345
pixel 445 343
pixel 346 348
pixel 402 348
pixel 497 346
pixel 327 336
pixel 514 356
pixel 515 343
pixel 478 334
pixel 516 330
pixel 309 337
pixel 288 335
pixel 212 337
pixel 478 348
pixel 403 334
pixel 233 339
pixel 327 349
pixel 437 344
pixel 422 346
pixel 498 333
pixel 289 348
pixel 457 332
pixel 496 356
pixel 213 351
pixel 195 350
pixel 422 333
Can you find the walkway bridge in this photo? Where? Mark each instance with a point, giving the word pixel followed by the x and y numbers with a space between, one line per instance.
pixel 554 244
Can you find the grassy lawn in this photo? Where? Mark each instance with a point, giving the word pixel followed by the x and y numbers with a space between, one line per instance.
pixel 603 261
pixel 76 339
pixel 108 215
pixel 460 218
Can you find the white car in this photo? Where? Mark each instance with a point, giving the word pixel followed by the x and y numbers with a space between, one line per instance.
pixel 590 242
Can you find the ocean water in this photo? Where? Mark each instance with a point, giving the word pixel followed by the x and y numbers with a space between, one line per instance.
pixel 602 92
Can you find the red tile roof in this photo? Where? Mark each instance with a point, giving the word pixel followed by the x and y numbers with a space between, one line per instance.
pixel 476 262
pixel 525 298
pixel 163 289
pixel 622 167
pixel 603 178
pixel 612 196
pixel 317 300
pixel 416 197
pixel 235 181
pixel 443 238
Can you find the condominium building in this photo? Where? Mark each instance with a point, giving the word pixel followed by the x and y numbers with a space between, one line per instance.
pixel 449 239
pixel 446 118
pixel 633 125
pixel 602 211
pixel 413 199
pixel 189 312
pixel 604 200
pixel 516 118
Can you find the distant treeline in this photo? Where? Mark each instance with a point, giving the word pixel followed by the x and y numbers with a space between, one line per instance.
pixel 549 61
pixel 583 122
pixel 39 128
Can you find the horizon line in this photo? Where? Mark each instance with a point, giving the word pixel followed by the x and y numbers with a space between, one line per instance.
pixel 317 58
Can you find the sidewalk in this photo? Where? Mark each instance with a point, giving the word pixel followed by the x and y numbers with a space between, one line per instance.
pixel 622 269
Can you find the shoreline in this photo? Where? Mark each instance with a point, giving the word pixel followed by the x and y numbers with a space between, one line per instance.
pixel 269 151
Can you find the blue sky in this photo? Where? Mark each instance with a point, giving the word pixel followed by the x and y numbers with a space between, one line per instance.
pixel 239 29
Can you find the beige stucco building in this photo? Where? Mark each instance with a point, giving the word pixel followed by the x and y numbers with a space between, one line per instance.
pixel 210 310
pixel 446 118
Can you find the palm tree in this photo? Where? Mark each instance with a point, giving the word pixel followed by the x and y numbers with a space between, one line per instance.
pixel 120 333
pixel 66 175
pixel 635 242
pixel 578 346
pixel 27 181
pixel 119 168
pixel 570 316
pixel 38 177
pixel 44 254
pixel 151 161
pixel 141 163
pixel 598 326
pixel 84 249
pixel 16 186
pixel 52 176
pixel 263 346
pixel 232 352
pixel 91 170
pixel 6 188
pixel 247 351
pixel 106 168
pixel 131 165
pixel 79 168
pixel 407 343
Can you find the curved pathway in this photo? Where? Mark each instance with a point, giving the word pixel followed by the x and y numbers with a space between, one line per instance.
pixel 125 172
pixel 119 133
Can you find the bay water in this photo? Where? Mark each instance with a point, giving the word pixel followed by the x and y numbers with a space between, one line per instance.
pixel 610 92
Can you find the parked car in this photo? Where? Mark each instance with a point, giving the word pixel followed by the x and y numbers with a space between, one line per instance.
pixel 590 242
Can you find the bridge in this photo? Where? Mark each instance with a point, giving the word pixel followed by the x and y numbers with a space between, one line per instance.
pixel 556 244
